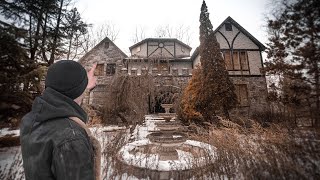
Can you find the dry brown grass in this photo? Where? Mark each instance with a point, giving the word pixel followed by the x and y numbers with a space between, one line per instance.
pixel 260 153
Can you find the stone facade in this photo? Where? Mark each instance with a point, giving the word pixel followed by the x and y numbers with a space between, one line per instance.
pixel 257 91
pixel 104 54
pixel 235 41
pixel 170 63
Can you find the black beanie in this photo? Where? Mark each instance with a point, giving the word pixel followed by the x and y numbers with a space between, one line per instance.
pixel 67 77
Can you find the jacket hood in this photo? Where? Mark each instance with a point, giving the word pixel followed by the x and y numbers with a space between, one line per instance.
pixel 53 105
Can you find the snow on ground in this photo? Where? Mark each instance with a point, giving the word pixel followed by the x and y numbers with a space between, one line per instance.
pixel 11 163
pixel 11 157
pixel 152 161
pixel 7 131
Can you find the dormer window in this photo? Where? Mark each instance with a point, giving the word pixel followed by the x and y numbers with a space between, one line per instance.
pixel 228 26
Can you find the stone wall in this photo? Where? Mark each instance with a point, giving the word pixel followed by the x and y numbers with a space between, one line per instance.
pixel 104 53
pixel 257 94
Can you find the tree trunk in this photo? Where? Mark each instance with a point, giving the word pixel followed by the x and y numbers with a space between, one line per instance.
pixel 44 36
pixel 69 48
pixel 56 35
pixel 317 89
pixel 33 49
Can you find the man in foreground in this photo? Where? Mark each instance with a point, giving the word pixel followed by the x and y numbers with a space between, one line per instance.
pixel 55 142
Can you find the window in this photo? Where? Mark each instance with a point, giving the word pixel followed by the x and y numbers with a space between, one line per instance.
pixel 228 26
pixel 144 71
pixel 242 94
pixel 238 62
pixel 185 71
pixel 175 71
pixel 106 45
pixel 134 71
pixel 99 70
pixel 228 60
pixel 244 61
pixel 111 69
pixel 138 49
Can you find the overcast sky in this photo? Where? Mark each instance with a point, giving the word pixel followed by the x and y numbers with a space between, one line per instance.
pixel 126 15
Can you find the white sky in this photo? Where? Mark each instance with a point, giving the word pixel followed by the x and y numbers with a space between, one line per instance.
pixel 149 14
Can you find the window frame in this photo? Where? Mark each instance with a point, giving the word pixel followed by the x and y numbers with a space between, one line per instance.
pixel 231 65
pixel 113 71
pixel 228 26
pixel 99 71
pixel 241 101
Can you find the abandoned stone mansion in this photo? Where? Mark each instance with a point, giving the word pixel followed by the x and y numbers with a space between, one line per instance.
pixel 170 64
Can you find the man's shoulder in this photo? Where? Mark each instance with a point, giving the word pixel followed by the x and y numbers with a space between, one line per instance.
pixel 65 130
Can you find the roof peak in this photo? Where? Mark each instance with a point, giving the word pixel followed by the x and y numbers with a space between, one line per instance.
pixel 159 39
pixel 243 30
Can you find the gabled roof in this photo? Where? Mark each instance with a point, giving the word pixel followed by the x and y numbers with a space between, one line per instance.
pixel 160 39
pixel 106 39
pixel 245 32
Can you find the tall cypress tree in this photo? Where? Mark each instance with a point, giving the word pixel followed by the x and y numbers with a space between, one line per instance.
pixel 217 92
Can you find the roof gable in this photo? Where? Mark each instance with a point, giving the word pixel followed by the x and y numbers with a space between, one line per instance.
pixel 162 40
pixel 106 39
pixel 241 29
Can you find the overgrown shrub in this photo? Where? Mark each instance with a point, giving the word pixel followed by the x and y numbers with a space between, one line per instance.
pixel 128 99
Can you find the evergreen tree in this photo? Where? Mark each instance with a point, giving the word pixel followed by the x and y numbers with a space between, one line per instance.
pixel 48 25
pixel 217 92
pixel 75 29
pixel 294 48
pixel 32 36
pixel 19 78
pixel 187 112
pixel 210 91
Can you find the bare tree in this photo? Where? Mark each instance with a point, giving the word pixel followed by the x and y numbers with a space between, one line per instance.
pixel 138 35
pixel 98 33
pixel 164 31
pixel 180 32
pixel 183 33
pixel 107 29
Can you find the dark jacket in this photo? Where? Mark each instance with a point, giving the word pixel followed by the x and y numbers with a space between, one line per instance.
pixel 53 146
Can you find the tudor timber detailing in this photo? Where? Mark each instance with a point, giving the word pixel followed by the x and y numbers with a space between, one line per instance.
pixel 168 60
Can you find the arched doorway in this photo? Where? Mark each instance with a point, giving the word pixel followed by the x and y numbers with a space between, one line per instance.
pixel 164 94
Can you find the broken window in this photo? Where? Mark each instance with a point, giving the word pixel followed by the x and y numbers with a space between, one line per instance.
pixel 111 69
pixel 99 70
pixel 241 91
